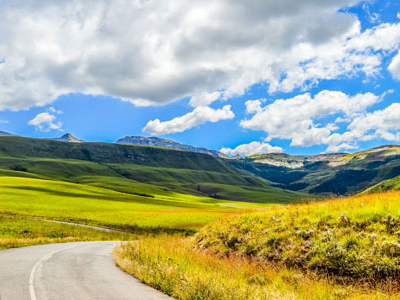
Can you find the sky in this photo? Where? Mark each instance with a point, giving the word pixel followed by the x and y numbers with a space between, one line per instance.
pixel 242 77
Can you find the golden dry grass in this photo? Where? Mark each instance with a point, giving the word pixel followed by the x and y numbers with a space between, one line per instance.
pixel 172 265
pixel 180 268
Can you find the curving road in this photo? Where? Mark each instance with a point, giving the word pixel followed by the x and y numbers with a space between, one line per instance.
pixel 84 270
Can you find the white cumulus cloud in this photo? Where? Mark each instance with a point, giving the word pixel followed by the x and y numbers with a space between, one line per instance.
pixel 204 99
pixel 252 149
pixel 394 67
pixel 198 116
pixel 253 106
pixel 155 52
pixel 45 122
pixel 384 124
pixel 298 119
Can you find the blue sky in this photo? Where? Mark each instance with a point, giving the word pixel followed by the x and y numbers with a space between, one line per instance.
pixel 302 78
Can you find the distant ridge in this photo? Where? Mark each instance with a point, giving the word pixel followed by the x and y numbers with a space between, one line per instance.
pixel 322 174
pixel 68 138
pixel 4 133
pixel 336 173
pixel 165 143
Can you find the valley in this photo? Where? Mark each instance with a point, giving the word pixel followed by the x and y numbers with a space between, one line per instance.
pixel 187 218
pixel 325 174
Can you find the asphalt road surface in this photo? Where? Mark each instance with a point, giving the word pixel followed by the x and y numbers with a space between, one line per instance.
pixel 70 271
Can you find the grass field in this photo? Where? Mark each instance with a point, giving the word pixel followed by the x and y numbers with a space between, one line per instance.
pixel 336 249
pixel 22 198
pixel 94 205
pixel 19 231
pixel 99 206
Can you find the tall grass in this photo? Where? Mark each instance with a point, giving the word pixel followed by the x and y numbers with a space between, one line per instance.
pixel 172 265
pixel 345 248
pixel 353 237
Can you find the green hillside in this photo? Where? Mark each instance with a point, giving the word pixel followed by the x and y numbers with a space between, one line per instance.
pixel 138 170
pixel 386 185
pixel 21 147
pixel 338 174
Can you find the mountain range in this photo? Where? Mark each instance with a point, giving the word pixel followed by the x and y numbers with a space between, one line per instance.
pixel 148 141
pixel 323 174
pixel 338 173
pixel 165 143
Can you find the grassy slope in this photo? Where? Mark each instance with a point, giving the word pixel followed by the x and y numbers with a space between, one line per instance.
pixel 133 169
pixel 353 237
pixel 171 265
pixel 387 185
pixel 337 249
pixel 20 147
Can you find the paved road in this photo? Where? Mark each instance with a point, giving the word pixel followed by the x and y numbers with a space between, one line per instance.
pixel 84 270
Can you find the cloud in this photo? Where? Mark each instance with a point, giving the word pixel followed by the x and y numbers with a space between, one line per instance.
pixel 153 52
pixel 394 67
pixel 204 99
pixel 4 121
pixel 45 122
pixel 198 116
pixel 54 111
pixel 298 119
pixel 360 52
pixel 252 149
pixel 384 124
pixel 340 147
pixel 253 106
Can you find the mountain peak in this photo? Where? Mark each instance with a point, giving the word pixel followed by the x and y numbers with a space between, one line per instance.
pixel 4 133
pixel 68 138
pixel 165 143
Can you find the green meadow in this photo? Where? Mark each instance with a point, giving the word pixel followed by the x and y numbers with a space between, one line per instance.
pixel 25 204
pixel 20 231
pixel 99 206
